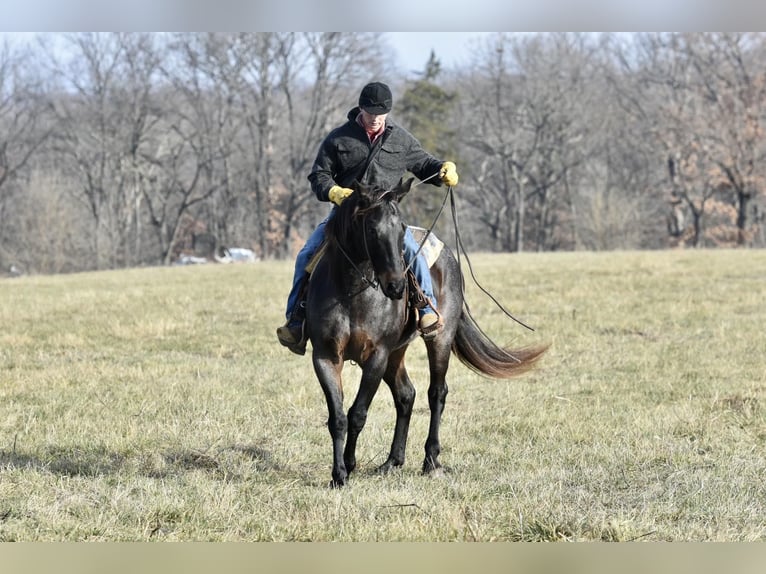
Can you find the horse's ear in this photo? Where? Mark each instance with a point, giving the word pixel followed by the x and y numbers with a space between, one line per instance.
pixel 403 188
pixel 360 188
pixel 365 194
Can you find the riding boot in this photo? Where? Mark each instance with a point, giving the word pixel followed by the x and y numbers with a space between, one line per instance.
pixel 430 322
pixel 293 333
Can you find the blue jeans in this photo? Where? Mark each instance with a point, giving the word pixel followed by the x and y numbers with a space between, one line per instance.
pixel 314 242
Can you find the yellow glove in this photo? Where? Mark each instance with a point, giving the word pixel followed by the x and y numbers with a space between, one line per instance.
pixel 448 173
pixel 338 194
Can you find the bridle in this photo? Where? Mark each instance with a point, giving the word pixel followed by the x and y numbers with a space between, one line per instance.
pixel 374 283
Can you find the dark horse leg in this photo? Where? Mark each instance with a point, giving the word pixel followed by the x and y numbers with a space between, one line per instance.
pixel 328 371
pixel 438 359
pixel 372 372
pixel 403 391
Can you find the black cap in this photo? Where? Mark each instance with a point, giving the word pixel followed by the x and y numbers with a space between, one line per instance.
pixel 376 98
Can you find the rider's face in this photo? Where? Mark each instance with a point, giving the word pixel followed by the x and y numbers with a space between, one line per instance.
pixel 372 122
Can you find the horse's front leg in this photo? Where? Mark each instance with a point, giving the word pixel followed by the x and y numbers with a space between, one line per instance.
pixel 328 371
pixel 372 373
pixel 404 397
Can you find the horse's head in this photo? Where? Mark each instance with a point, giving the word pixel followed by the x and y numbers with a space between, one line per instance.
pixel 376 232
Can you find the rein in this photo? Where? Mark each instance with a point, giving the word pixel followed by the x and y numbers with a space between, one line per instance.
pixel 458 248
pixel 368 283
pixel 433 223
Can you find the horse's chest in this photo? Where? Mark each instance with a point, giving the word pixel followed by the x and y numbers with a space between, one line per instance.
pixel 377 314
pixel 376 322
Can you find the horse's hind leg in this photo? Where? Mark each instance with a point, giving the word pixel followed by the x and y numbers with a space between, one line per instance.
pixel 403 391
pixel 438 359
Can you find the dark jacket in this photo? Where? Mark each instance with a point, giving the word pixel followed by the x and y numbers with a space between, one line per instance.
pixel 344 152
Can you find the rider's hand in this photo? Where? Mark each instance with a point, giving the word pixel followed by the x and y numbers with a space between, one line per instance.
pixel 338 194
pixel 448 174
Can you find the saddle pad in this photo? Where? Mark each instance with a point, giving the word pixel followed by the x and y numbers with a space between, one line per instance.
pixel 432 247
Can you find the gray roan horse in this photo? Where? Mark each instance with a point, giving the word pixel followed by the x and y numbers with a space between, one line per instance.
pixel 357 309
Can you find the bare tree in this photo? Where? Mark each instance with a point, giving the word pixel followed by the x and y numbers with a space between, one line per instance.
pixel 730 77
pixel 24 127
pixel 106 119
pixel 192 176
pixel 563 140
pixel 700 98
pixel 490 124
pixel 613 201
pixel 529 118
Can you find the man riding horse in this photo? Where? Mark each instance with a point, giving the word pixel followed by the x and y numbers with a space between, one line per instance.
pixel 373 150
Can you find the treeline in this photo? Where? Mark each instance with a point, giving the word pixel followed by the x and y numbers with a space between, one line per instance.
pixel 126 149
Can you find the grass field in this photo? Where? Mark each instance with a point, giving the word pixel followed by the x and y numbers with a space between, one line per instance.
pixel 156 404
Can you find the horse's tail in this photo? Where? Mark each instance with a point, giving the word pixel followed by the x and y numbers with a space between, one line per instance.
pixel 477 352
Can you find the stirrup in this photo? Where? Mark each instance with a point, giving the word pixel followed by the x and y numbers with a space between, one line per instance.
pixel 429 332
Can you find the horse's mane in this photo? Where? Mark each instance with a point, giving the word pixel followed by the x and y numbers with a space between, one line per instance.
pixel 340 227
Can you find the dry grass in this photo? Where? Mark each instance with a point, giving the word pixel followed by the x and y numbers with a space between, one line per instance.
pixel 155 404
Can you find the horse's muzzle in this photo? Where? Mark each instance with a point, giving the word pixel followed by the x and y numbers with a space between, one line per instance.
pixel 393 288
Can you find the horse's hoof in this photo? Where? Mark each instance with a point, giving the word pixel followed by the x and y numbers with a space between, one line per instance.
pixel 339 480
pixel 336 484
pixel 387 467
pixel 431 468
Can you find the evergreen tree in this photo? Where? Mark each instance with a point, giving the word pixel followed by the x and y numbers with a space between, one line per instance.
pixel 426 110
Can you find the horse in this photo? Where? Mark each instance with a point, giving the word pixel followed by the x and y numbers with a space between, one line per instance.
pixel 358 310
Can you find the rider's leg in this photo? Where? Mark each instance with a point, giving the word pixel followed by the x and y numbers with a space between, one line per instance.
pixel 300 274
pixel 291 333
pixel 430 319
